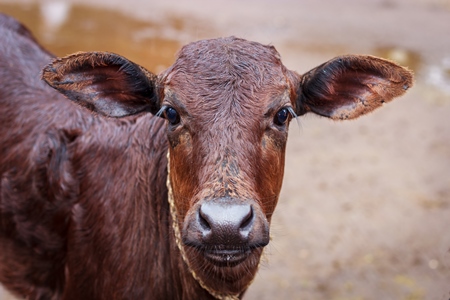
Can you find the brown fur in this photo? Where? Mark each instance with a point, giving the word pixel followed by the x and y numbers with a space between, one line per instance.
pixel 83 201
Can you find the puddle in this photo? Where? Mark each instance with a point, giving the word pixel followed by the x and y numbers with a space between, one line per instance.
pixel 404 57
pixel 64 28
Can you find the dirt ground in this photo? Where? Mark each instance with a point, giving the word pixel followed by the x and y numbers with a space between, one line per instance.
pixel 365 207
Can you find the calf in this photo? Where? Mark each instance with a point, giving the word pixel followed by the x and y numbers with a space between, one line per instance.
pixel 167 190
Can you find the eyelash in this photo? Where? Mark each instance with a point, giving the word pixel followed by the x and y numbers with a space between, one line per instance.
pixel 282 116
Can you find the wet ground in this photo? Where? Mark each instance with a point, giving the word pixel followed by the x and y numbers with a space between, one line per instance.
pixel 365 208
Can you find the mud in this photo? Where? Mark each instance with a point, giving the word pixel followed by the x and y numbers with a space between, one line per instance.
pixel 365 207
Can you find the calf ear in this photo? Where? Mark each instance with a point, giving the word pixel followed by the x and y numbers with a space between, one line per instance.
pixel 103 82
pixel 349 86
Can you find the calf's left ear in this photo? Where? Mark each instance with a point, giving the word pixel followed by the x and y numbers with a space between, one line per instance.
pixel 349 86
pixel 103 82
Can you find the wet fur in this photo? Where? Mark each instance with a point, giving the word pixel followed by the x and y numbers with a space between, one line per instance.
pixel 55 158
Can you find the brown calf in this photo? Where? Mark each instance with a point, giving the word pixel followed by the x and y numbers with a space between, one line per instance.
pixel 84 206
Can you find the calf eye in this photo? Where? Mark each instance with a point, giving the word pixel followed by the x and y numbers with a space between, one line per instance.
pixel 172 116
pixel 281 117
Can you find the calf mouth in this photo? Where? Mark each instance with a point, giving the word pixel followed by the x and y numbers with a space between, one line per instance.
pixel 226 257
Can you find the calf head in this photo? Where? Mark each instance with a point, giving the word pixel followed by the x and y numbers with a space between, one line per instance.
pixel 228 103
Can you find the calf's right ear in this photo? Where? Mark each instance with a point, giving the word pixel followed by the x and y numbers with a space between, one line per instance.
pixel 103 82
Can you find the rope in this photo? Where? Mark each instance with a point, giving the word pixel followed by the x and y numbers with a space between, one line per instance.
pixel 178 241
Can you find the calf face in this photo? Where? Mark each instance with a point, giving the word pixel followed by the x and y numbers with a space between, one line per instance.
pixel 228 103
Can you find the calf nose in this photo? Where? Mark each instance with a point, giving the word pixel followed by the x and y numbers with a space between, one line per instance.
pixel 225 224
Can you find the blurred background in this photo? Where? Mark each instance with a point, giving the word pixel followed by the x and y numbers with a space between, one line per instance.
pixel 365 207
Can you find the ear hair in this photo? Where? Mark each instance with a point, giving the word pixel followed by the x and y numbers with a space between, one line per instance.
pixel 349 86
pixel 104 82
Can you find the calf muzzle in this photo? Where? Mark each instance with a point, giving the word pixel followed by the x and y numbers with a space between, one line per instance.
pixel 226 230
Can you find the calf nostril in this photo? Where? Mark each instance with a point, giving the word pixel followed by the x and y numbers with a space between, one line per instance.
pixel 203 220
pixel 247 220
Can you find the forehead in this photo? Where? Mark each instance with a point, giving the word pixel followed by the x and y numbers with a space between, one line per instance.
pixel 226 67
